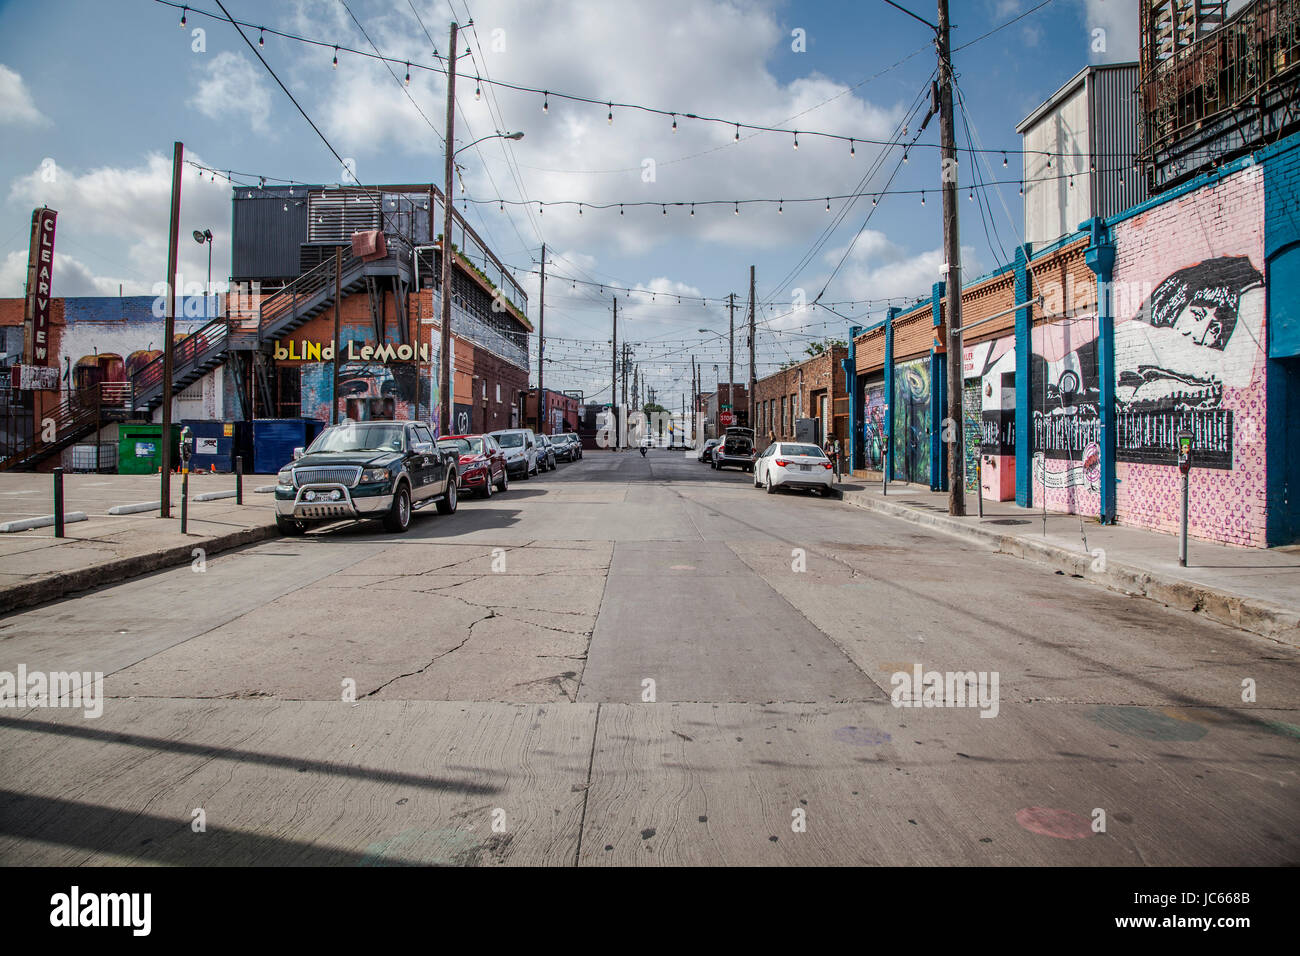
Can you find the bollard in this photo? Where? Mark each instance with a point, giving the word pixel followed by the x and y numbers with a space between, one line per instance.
pixel 185 500
pixel 239 479
pixel 58 502
pixel 1182 526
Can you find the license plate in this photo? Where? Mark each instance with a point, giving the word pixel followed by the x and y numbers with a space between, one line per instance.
pixel 805 467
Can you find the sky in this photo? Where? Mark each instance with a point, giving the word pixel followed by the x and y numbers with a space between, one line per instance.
pixel 93 93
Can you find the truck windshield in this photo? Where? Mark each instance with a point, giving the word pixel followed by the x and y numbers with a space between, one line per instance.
pixel 353 437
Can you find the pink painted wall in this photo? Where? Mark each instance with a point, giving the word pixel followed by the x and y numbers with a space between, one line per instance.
pixel 1190 346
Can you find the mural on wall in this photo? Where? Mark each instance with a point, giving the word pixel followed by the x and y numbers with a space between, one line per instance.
pixel 1194 336
pixel 911 421
pixel 990 368
pixel 972 432
pixel 366 391
pixel 1065 395
pixel 462 417
pixel 873 426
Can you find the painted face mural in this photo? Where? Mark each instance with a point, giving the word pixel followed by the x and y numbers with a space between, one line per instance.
pixel 1197 334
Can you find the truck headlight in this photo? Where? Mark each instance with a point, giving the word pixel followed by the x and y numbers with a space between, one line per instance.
pixel 285 477
pixel 374 474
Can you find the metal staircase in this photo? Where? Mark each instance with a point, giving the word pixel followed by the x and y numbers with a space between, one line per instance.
pixel 192 358
pixel 81 415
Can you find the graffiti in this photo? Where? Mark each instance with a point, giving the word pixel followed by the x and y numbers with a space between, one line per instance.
pixel 873 427
pixel 911 421
pixel 973 431
pixel 367 391
pixel 1056 474
pixel 1181 350
pixel 1066 398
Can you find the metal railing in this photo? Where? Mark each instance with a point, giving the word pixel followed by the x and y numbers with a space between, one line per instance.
pixel 1221 71
pixel 292 297
pixel 194 347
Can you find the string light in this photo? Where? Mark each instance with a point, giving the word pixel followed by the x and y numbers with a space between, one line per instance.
pixel 1004 160
pixel 692 209
pixel 779 204
pixel 796 139
pixel 904 156
pixel 873 200
pixel 852 151
pixel 737 132
pixel 1022 187
pixel 579 209
pixel 478 90
pixel 336 58
pixel 261 36
pixel 971 197
pixel 408 74
pixel 922 197
pixel 674 122
pixel 828 203
pixel 611 114
pixel 665 208
pixel 546 105
pixel 184 10
pixel 737 209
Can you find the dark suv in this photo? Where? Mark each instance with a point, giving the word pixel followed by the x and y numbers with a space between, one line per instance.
pixel 737 449
pixel 366 470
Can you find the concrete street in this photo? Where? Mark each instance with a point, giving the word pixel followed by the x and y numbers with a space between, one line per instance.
pixel 642 661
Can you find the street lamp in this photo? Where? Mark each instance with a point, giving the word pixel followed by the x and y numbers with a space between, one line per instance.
pixel 202 238
pixel 444 419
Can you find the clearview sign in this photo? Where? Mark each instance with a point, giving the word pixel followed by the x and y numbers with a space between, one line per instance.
pixel 40 271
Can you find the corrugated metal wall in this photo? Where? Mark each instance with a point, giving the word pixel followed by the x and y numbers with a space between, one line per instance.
pixel 1114 123
pixel 266 235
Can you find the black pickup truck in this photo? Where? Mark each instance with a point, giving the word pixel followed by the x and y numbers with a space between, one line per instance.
pixel 358 470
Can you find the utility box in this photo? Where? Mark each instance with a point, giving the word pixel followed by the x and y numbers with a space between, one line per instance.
pixel 139 448
pixel 806 430
pixel 214 445
pixel 274 440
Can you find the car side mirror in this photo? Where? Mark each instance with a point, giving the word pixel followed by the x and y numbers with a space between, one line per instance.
pixel 297 453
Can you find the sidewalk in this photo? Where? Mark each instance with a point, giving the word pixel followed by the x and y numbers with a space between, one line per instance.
pixel 1253 589
pixel 36 567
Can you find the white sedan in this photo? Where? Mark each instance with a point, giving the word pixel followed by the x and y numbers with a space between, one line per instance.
pixel 793 465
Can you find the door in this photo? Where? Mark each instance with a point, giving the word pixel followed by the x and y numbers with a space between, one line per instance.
pixel 430 465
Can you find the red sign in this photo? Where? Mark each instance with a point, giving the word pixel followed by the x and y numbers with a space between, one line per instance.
pixel 40 271
pixel 726 419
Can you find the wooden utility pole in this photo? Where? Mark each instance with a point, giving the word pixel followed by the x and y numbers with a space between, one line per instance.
pixel 541 344
pixel 954 424
pixel 613 382
pixel 338 331
pixel 751 421
pixel 444 356
pixel 731 360
pixel 169 329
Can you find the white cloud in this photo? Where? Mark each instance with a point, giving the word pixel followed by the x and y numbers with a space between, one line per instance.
pixel 16 104
pixel 119 216
pixel 234 87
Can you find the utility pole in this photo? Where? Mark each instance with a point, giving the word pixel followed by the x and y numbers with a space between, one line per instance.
pixel 338 294
pixel 613 382
pixel 636 387
pixel 444 420
pixel 731 360
pixel 169 328
pixel 541 344
pixel 952 246
pixel 751 421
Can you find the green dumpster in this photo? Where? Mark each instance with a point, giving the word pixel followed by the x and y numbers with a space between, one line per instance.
pixel 139 448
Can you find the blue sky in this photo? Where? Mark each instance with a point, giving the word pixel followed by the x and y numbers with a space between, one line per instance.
pixel 92 95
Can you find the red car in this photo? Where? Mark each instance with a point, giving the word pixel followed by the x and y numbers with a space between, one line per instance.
pixel 482 463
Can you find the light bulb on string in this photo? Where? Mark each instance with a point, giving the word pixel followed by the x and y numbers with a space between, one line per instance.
pixel 546 106
pixel 620 209
pixel 828 203
pixel 779 204
pixel 261 36
pixel 1022 187
pixel 873 200
pixel 1004 160
pixel 852 151
pixel 971 197
pixel 336 58
pixel 737 132
pixel 611 114
pixel 922 197
pixel 579 209
pixel 408 74
pixel 674 122
pixel 796 139
pixel 737 209
pixel 665 209
pixel 184 10
pixel 692 209
pixel 478 89
pixel 904 156
pixel 540 209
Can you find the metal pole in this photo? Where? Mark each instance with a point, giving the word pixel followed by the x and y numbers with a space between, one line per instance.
pixel 541 344
pixel 952 246
pixel 753 381
pixel 185 499
pixel 444 358
pixel 731 360
pixel 239 479
pixel 1182 527
pixel 613 384
pixel 338 331
pixel 979 480
pixel 169 328
pixel 58 502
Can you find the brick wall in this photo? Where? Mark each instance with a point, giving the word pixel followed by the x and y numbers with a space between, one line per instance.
pixel 1189 332
pixel 799 385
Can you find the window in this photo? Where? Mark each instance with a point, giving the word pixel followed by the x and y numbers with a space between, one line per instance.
pixel 498 393
pixel 484 390
pixel 423 434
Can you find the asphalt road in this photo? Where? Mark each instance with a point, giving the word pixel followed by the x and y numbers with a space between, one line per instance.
pixel 641 660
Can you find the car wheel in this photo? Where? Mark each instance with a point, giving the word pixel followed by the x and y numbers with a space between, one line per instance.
pixel 447 505
pixel 504 484
pixel 771 488
pixel 290 526
pixel 487 487
pixel 398 518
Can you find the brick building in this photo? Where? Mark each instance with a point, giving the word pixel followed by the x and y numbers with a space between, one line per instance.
pixel 814 388
pixel 713 405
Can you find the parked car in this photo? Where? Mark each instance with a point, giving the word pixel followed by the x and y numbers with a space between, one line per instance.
pixel 793 465
pixel 566 448
pixel 520 447
pixel 706 451
pixel 482 463
pixel 737 449
pixel 358 470
pixel 575 440
pixel 545 454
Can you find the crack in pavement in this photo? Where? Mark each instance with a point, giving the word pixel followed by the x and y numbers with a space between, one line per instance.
pixel 490 614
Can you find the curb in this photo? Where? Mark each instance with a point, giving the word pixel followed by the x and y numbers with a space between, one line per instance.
pixel 30 594
pixel 1273 621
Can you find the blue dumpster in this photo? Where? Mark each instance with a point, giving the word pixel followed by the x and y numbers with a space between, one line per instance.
pixel 274 440
pixel 214 445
